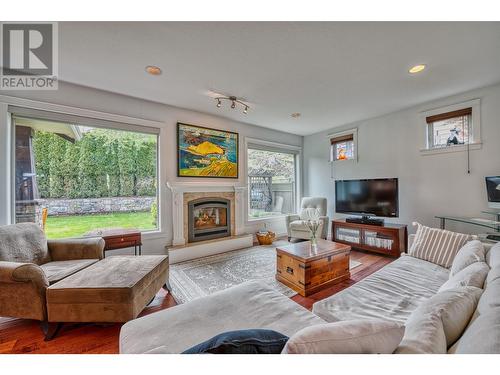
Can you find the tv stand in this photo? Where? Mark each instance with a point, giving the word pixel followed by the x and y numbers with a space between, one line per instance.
pixel 364 220
pixel 386 238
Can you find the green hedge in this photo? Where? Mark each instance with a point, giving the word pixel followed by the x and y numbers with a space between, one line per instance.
pixel 103 163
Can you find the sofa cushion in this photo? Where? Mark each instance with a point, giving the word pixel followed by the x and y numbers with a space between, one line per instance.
pixel 245 341
pixel 473 275
pixel 348 337
pixel 246 306
pixel 24 243
pixel 493 256
pixel 492 276
pixel 490 298
pixel 482 336
pixel 56 271
pixel 437 246
pixel 424 334
pixel 453 307
pixel 456 308
pixel 310 214
pixel 471 252
pixel 391 293
pixel 299 225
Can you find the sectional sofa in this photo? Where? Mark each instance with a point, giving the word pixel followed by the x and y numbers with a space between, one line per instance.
pixel 398 292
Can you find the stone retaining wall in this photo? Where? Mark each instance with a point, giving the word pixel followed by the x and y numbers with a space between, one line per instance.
pixel 95 205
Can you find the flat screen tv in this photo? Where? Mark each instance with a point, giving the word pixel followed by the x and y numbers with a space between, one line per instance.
pixel 493 190
pixel 374 197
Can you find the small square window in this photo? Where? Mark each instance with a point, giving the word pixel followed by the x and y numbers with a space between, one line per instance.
pixel 344 150
pixel 450 129
pixel 343 146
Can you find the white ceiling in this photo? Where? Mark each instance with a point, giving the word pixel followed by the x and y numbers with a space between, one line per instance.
pixel 333 73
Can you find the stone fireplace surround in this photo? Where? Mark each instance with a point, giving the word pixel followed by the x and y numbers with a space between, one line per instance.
pixel 182 193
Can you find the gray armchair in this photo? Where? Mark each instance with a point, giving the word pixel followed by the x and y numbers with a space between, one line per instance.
pixel 312 208
pixel 29 264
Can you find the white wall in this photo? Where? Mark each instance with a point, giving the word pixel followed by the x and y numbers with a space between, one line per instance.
pixel 429 185
pixel 97 100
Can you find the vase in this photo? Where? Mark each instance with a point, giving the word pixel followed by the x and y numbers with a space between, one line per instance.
pixel 313 239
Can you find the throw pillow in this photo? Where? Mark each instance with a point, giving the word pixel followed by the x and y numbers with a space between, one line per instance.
pixel 493 275
pixel 247 341
pixel 471 252
pixel 438 246
pixel 493 256
pixel 347 337
pixel 491 297
pixel 481 336
pixel 473 275
pixel 455 307
pixel 424 334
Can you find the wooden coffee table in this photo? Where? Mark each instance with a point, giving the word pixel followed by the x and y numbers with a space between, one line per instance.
pixel 307 269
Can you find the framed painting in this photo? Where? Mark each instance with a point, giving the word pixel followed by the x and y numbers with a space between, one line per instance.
pixel 206 152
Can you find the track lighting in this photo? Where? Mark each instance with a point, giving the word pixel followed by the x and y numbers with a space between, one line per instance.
pixel 234 100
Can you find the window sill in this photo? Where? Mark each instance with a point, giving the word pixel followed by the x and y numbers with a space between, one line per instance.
pixel 353 160
pixel 445 150
pixel 153 235
pixel 266 218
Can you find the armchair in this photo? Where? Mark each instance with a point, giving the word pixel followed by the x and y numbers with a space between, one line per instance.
pixel 312 208
pixel 29 264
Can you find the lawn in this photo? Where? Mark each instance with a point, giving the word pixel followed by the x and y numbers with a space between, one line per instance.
pixel 77 226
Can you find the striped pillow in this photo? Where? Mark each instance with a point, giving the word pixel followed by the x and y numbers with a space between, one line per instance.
pixel 438 246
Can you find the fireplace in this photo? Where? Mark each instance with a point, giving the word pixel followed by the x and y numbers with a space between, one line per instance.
pixel 209 218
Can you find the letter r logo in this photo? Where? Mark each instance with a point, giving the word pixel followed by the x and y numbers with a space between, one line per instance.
pixel 27 49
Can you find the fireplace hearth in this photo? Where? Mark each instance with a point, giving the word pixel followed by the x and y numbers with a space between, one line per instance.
pixel 209 218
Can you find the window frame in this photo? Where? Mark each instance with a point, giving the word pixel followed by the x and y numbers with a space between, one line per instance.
pixel 102 119
pixel 273 147
pixel 475 128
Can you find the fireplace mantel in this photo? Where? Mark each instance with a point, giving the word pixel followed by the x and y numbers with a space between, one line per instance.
pixel 179 188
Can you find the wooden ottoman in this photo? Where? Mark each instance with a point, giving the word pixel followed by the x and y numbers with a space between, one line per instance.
pixel 115 289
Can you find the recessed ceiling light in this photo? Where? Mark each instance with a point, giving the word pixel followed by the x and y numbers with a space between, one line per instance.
pixel 416 69
pixel 295 115
pixel 153 70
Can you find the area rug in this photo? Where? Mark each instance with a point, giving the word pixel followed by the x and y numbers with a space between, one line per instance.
pixel 201 277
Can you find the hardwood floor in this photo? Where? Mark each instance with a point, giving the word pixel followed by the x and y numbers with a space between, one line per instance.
pixel 25 336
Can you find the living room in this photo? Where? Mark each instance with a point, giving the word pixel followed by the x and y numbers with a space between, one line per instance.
pixel 249 187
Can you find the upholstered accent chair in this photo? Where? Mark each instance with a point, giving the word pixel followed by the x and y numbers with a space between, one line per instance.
pixel 29 264
pixel 312 208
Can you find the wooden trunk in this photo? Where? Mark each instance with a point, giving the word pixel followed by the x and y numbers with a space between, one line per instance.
pixel 309 275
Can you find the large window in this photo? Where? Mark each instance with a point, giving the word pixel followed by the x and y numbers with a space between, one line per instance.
pixel 78 180
pixel 272 185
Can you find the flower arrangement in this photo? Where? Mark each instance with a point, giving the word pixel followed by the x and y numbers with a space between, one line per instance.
pixel 313 226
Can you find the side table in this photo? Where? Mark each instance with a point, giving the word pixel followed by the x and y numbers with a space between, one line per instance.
pixel 122 238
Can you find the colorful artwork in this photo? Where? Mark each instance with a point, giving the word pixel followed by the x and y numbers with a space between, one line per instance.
pixel 204 152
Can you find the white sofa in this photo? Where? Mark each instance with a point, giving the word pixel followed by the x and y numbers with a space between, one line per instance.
pixel 392 293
